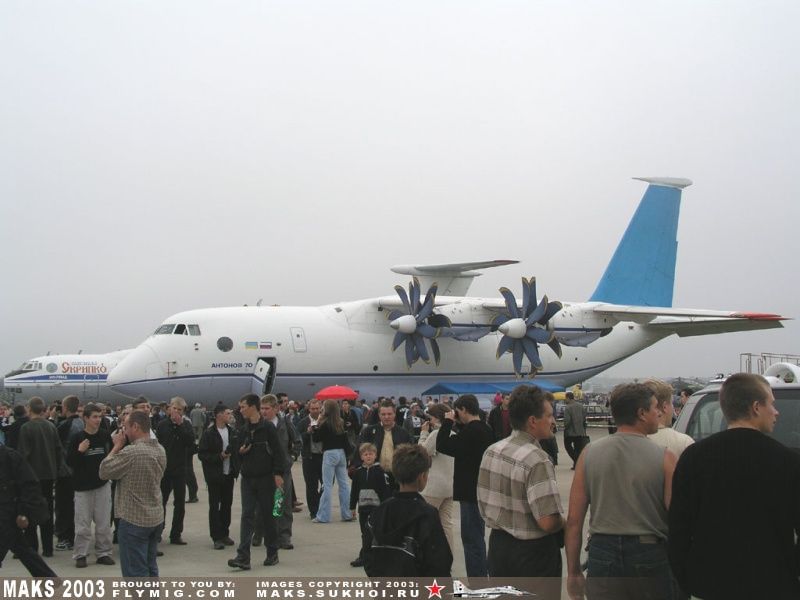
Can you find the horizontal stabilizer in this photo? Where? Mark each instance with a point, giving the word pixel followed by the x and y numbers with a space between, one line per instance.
pixel 647 314
pixel 454 279
pixel 692 327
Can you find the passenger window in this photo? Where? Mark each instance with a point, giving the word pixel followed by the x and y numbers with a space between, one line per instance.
pixel 180 329
pixel 194 329
pixel 707 418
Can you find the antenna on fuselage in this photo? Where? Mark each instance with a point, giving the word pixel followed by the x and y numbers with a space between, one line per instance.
pixel 260 300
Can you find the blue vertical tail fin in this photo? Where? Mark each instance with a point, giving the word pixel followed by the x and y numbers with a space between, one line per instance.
pixel 642 270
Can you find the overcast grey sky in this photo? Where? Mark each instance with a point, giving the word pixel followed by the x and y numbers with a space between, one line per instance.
pixel 160 156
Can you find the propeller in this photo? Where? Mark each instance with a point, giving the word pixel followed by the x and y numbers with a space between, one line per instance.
pixel 416 323
pixel 524 330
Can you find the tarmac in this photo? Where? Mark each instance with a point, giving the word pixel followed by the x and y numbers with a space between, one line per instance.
pixel 320 549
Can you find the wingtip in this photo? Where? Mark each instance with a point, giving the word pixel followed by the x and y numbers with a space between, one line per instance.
pixel 754 316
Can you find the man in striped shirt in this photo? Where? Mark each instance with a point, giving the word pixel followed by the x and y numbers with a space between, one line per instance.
pixel 518 495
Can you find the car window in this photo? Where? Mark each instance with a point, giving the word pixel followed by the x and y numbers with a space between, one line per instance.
pixel 787 427
pixel 707 418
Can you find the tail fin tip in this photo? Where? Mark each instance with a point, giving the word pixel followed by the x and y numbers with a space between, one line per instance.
pixel 673 182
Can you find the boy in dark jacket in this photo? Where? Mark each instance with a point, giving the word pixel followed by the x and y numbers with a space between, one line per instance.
pixel 407 535
pixel 368 490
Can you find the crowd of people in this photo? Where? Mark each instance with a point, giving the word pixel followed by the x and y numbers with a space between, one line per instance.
pixel 667 517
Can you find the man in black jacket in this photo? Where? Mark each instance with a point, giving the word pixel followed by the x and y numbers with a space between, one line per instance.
pixel 386 436
pixel 261 469
pixel 742 472
pixel 176 435
pixel 20 413
pixel 291 447
pixel 467 448
pixel 312 457
pixel 219 455
pixel 70 425
pixel 20 500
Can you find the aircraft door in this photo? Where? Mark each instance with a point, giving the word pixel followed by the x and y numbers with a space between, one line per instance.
pixel 91 387
pixel 263 376
pixel 298 339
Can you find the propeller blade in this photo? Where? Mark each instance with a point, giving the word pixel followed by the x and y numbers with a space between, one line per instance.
pixel 504 345
pixel 403 298
pixel 411 352
pixel 542 336
pixel 532 294
pixel 419 341
pixel 555 346
pixel 552 309
pixel 413 293
pixel 437 356
pixel 538 312
pixel 439 321
pixel 398 339
pixel 395 314
pixel 517 358
pixel 511 302
pixel 427 331
pixel 532 352
pixel 526 298
pixel 427 305
pixel 499 320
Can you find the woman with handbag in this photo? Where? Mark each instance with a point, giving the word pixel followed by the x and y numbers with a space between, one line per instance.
pixel 330 431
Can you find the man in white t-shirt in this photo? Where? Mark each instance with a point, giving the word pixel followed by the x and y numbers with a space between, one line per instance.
pixel 218 445
pixel 667 437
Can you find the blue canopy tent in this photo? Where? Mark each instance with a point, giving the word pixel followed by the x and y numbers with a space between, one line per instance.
pixel 504 387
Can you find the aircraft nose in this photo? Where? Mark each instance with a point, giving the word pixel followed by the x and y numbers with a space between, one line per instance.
pixel 131 373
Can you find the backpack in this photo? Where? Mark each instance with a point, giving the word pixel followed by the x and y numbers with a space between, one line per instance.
pixel 396 560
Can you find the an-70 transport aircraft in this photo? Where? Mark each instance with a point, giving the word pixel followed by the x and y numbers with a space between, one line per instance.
pixel 434 333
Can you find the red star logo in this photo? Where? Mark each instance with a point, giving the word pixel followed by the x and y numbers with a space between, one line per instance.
pixel 434 590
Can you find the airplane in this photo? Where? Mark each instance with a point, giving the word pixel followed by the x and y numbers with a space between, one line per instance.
pixel 462 591
pixel 56 376
pixel 403 344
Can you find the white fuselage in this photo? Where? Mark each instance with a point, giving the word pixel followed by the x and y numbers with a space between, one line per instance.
pixel 348 343
pixel 56 376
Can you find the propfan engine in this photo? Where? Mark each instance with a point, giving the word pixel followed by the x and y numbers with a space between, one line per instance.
pixel 417 323
pixel 524 330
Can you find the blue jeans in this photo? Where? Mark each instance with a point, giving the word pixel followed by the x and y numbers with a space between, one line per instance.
pixel 137 549
pixel 473 538
pixel 334 464
pixel 624 566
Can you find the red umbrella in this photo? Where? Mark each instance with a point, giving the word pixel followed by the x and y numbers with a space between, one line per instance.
pixel 336 392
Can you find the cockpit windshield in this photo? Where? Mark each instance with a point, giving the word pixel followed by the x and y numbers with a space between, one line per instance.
pixel 26 367
pixel 179 329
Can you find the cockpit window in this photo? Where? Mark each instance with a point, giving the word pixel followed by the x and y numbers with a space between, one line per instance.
pixel 180 329
pixel 194 329
pixel 164 329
